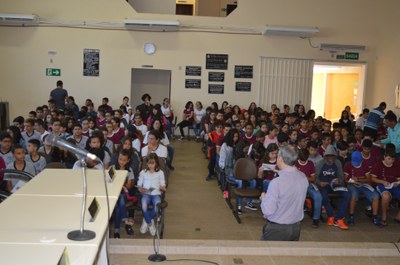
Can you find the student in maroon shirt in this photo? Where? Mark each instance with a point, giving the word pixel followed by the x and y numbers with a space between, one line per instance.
pixel 326 140
pixel 384 173
pixel 2 166
pixel 249 136
pixel 307 167
pixel 369 160
pixel 358 179
pixel 303 131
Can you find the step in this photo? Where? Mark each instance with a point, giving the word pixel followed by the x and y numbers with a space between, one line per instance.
pixel 254 248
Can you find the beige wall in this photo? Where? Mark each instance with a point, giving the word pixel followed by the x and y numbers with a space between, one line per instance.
pixel 23 51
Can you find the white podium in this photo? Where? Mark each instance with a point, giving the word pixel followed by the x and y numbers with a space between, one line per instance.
pixel 37 218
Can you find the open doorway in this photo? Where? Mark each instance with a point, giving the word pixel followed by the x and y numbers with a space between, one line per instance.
pixel 155 82
pixel 335 86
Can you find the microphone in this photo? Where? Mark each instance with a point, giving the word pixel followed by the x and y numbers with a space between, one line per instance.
pixel 78 151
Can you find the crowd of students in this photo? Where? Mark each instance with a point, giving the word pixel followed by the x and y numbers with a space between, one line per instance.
pixel 347 158
pixel 343 158
pixel 117 137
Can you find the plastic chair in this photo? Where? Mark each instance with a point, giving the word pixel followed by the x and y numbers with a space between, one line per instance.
pixel 245 169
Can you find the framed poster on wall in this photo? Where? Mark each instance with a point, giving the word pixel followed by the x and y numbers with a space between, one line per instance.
pixel 91 62
pixel 217 61
pixel 215 89
pixel 193 71
pixel 243 86
pixel 193 83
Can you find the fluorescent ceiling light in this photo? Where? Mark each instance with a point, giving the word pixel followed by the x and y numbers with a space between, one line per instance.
pixel 152 24
pixel 291 31
pixel 18 19
pixel 342 47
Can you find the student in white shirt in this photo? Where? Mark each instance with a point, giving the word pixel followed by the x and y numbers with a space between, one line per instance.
pixel 151 183
pixel 199 113
pixel 154 146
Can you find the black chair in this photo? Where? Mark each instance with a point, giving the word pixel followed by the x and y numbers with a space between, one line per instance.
pixel 4 195
pixel 245 169
pixel 13 174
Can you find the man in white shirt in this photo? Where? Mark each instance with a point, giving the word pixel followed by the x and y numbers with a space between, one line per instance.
pixel 154 146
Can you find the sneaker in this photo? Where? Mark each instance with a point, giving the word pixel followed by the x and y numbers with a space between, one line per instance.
pixel 315 224
pixel 171 167
pixel 181 138
pixel 350 220
pixel 239 210
pixel 143 228
pixel 368 211
pixel 383 223
pixel 331 221
pixel 129 229
pixel 323 209
pixel 250 206
pixel 208 178
pixel 376 220
pixel 226 194
pixel 341 224
pixel 152 228
pixel 308 203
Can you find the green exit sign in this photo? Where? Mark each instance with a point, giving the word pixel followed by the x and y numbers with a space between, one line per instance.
pixel 53 72
pixel 340 57
pixel 352 55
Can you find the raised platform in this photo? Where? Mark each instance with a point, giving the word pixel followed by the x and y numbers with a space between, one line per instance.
pixel 255 248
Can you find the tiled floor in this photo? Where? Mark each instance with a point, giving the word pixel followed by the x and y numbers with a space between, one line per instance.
pixel 198 211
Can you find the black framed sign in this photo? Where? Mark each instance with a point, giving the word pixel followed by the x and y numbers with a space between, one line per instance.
pixel 217 61
pixel 216 76
pixel 243 86
pixel 243 71
pixel 193 70
pixel 193 83
pixel 91 62
pixel 215 89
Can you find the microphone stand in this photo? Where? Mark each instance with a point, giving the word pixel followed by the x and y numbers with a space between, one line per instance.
pixel 82 234
pixel 157 257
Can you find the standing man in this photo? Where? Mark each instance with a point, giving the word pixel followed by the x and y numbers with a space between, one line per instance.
pixel 283 204
pixel 374 120
pixel 393 132
pixel 59 94
pixel 145 108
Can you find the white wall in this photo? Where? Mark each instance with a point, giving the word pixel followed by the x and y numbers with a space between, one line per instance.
pixel 23 51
